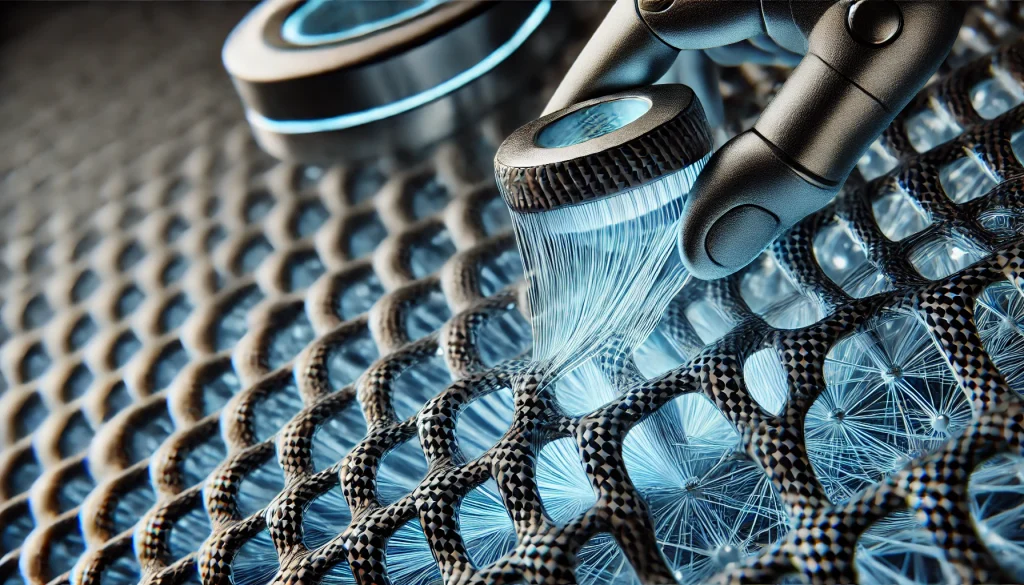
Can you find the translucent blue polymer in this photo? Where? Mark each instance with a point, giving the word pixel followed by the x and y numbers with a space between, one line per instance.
pixel 485 525
pixel 86 284
pixel 13 533
pixel 274 408
pixel 189 531
pixel 130 256
pixel 999 316
pixel 172 359
pixel 601 562
pixel 426 256
pixel 175 313
pixel 125 347
pixel 218 386
pixel 968 178
pixel 428 197
pixel 890 397
pixel 483 422
pixel 766 380
pixel 400 471
pixel 365 236
pixel 358 296
pixel 65 548
pixel 232 325
pixel 25 471
pixel 123 571
pixel 147 434
pixel 564 488
pixel 708 320
pixel 428 313
pixel 311 216
pixel 131 505
pixel 82 333
pixel 130 300
pixel 76 435
pixel 74 486
pixel 303 269
pixel 495 217
pixel 37 312
pixel 339 574
pixel 565 493
pixel 259 486
pixel 504 335
pixel 325 518
pixel 337 435
pixel 202 459
pixel 408 558
pixel 996 490
pixel 35 363
pixel 711 505
pixel 996 95
pixel 591 122
pixel 290 335
pixel 663 350
pixel 348 359
pixel 320 22
pixel 931 126
pixel 898 550
pixel 254 253
pixel 31 414
pixel 499 271
pixel 255 562
pixel 899 215
pixel 770 293
pixel 258 205
pixel 844 259
pixel 584 389
pixel 118 397
pixel 175 229
pixel 418 383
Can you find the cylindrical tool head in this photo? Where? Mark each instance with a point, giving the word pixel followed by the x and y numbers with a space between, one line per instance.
pixel 602 147
pixel 329 80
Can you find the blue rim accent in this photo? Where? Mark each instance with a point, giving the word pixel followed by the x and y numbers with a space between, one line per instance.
pixel 532 22
pixel 592 122
pixel 292 29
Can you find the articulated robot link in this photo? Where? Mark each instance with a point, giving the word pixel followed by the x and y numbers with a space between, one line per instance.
pixel 863 60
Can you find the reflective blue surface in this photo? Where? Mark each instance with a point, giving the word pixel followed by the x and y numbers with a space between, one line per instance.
pixel 711 505
pixel 890 397
pixel 592 122
pixel 408 558
pixel 255 562
pixel 485 525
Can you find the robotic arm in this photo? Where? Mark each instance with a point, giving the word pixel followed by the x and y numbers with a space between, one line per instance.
pixel 863 62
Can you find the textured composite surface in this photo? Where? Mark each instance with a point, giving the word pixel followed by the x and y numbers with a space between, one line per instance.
pixel 222 369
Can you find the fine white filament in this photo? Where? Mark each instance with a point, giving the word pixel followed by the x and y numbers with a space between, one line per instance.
pixel 603 270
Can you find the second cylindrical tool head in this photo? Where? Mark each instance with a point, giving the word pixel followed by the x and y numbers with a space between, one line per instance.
pixel 602 147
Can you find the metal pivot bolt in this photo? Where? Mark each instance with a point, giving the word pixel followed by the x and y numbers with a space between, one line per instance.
pixel 874 22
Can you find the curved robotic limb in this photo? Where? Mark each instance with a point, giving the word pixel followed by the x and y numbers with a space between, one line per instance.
pixel 863 62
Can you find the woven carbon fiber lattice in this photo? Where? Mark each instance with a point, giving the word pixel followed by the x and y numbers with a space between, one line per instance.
pixel 229 370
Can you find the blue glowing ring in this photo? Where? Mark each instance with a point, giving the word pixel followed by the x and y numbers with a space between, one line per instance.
pixel 350 120
pixel 293 32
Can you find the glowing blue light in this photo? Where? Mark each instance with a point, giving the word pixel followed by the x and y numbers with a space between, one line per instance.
pixel 403 105
pixel 331 21
pixel 592 122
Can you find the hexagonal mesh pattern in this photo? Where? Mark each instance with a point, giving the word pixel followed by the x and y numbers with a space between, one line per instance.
pixel 229 370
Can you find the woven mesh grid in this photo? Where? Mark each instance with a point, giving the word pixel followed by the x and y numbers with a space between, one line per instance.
pixel 213 358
